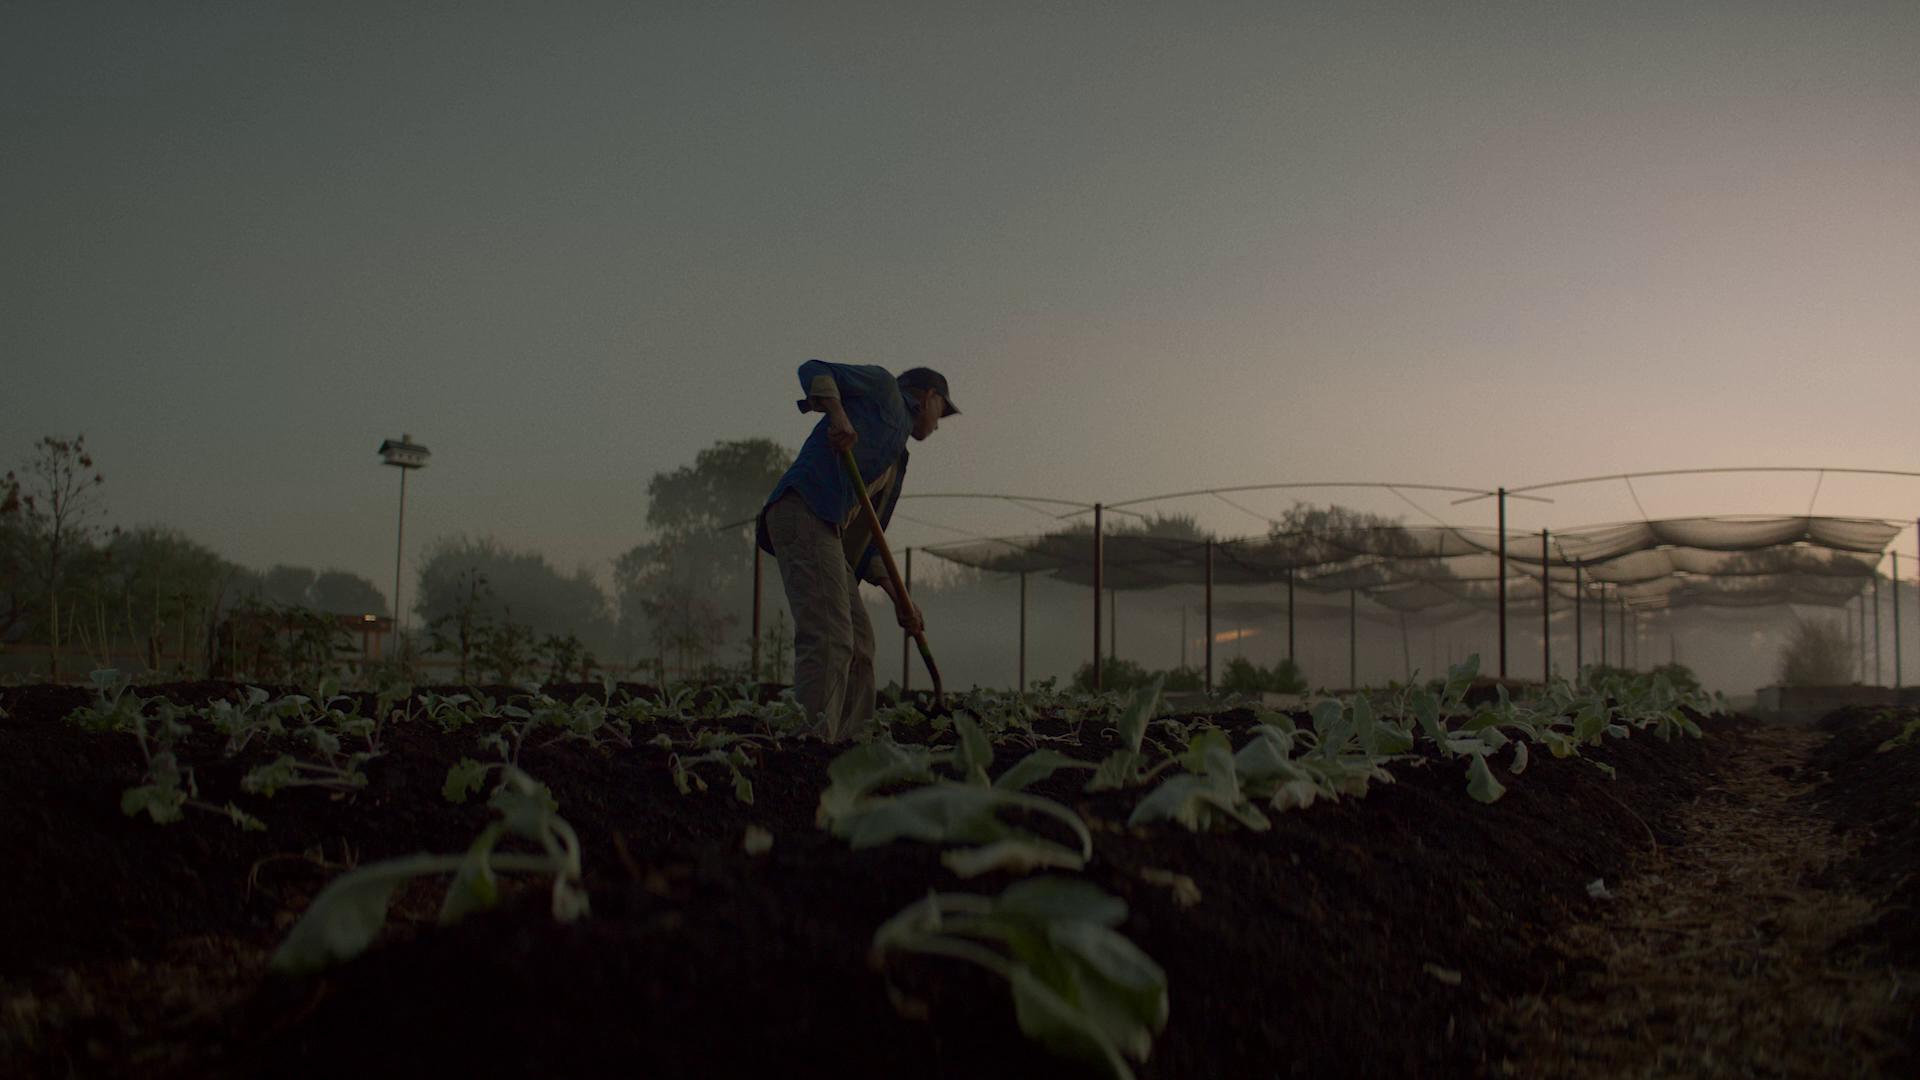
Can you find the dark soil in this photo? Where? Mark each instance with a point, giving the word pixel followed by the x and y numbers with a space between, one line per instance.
pixel 1878 792
pixel 1329 945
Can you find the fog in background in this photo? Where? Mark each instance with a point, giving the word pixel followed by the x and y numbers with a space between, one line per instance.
pixel 1154 247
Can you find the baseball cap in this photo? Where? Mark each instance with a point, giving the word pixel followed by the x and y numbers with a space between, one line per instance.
pixel 921 378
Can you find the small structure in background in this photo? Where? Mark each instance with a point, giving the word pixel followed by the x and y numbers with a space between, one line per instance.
pixel 404 455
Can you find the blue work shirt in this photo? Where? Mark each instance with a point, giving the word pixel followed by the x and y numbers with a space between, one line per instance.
pixel 881 420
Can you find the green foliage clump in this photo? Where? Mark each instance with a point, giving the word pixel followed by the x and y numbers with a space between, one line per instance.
pixel 1243 676
pixel 1115 674
pixel 1681 676
pixel 1183 679
pixel 1816 654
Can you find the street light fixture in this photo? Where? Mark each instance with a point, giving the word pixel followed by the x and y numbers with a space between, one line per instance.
pixel 404 455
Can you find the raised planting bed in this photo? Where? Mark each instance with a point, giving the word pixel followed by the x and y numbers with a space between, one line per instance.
pixel 1363 935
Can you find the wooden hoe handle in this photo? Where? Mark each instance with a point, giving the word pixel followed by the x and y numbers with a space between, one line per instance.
pixel 893 568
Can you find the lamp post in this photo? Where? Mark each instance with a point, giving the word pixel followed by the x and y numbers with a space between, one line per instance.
pixel 404 455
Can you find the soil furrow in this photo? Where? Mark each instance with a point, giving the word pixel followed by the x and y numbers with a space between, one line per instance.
pixel 1731 954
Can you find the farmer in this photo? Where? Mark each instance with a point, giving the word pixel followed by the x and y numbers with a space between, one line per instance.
pixel 812 525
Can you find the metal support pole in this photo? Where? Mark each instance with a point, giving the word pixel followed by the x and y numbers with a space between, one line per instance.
pixel 1023 632
pixel 1503 582
pixel 1621 608
pixel 906 638
pixel 1603 624
pixel 1546 614
pixel 1353 640
pixel 1879 667
pixel 1579 622
pixel 1895 585
pixel 1861 641
pixel 1113 625
pixel 1099 558
pixel 399 550
pixel 1289 612
pixel 1209 616
pixel 755 650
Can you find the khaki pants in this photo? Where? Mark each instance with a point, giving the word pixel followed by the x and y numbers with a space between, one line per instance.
pixel 832 636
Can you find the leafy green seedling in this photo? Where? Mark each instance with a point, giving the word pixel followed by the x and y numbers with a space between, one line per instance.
pixel 1080 988
pixel 115 707
pixel 858 807
pixel 1126 767
pixel 169 787
pixel 348 914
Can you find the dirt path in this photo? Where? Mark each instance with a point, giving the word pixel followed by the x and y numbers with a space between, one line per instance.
pixel 1723 956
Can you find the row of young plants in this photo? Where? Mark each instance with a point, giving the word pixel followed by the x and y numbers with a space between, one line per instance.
pixel 327 739
pixel 1079 987
pixel 327 742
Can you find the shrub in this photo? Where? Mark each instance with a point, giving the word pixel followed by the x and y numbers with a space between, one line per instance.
pixel 1184 679
pixel 1816 654
pixel 1681 676
pixel 1243 676
pixel 1286 678
pixel 1120 675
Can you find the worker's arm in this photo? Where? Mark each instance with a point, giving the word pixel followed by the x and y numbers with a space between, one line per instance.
pixel 840 433
pixel 906 613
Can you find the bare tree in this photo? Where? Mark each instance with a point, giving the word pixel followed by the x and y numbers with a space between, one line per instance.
pixel 57 512
pixel 1816 654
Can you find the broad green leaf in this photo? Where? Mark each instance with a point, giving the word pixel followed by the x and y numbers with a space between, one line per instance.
pixel 271 777
pixel 1193 799
pixel 474 888
pixel 1120 769
pixel 1389 739
pixel 1013 855
pixel 1481 783
pixel 948 812
pixel 1053 899
pixel 1274 718
pixel 1326 717
pixel 1178 799
pixel 1141 709
pixel 1060 1026
pixel 1363 724
pixel 344 919
pixel 1209 739
pixel 1037 767
pixel 869 767
pixel 1426 708
pixel 1295 795
pixel 160 802
pixel 1266 754
pixel 1459 677
pixel 975 752
pixel 1519 758
pixel 464 778
pixel 1138 982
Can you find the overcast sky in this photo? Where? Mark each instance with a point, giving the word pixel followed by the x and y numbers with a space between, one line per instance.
pixel 1154 247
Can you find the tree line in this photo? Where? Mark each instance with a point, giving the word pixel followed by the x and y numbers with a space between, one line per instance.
pixel 680 601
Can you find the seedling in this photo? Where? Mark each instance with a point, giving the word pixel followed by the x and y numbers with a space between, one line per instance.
pixel 945 811
pixel 348 914
pixel 1080 988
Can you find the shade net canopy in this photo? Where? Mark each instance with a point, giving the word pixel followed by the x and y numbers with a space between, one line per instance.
pixel 1440 572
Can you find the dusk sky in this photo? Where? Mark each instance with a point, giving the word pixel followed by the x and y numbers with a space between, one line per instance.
pixel 1154 247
